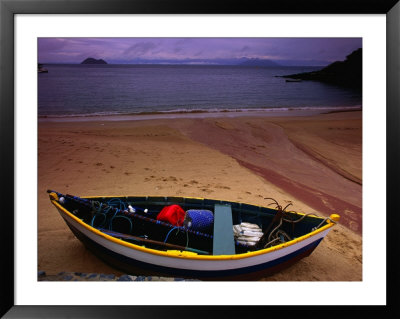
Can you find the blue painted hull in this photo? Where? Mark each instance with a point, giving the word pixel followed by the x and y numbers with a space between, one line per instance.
pixel 133 266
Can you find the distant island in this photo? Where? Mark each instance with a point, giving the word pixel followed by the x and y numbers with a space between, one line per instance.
pixel 93 61
pixel 346 73
pixel 259 62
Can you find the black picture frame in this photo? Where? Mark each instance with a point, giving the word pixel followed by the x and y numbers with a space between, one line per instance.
pixel 8 10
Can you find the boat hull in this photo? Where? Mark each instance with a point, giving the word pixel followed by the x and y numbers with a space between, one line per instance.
pixel 135 260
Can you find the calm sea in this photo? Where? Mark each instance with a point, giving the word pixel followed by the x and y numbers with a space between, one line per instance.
pixel 82 90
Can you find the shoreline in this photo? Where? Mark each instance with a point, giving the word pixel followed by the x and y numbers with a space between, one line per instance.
pixel 202 113
pixel 239 158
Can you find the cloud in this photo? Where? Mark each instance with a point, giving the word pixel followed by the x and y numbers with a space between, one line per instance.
pixel 72 50
pixel 244 49
pixel 140 49
pixel 51 44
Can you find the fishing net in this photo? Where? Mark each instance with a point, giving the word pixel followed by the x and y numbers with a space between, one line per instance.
pixel 201 220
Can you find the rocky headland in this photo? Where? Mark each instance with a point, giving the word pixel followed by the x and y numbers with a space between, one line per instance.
pixel 346 73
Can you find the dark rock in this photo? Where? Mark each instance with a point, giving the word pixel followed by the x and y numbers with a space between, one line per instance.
pixel 125 278
pixel 105 276
pixel 93 61
pixel 41 273
pixel 140 278
pixel 346 73
pixel 80 276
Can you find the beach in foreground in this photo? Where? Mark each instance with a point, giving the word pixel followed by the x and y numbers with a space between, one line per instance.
pixel 313 162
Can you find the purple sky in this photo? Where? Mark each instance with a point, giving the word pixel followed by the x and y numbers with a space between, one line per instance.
pixel 131 50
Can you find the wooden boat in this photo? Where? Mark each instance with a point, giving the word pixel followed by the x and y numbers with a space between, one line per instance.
pixel 41 69
pixel 126 233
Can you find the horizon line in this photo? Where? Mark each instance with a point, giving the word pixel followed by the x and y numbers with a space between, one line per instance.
pixel 182 63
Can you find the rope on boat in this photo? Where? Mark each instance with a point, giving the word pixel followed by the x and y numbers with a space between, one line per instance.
pixel 178 228
pixel 247 233
pixel 94 218
pixel 278 234
pixel 327 218
pixel 166 238
pixel 276 228
pixel 298 220
pixel 281 235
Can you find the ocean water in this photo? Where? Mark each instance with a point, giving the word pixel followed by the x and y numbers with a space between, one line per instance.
pixel 85 90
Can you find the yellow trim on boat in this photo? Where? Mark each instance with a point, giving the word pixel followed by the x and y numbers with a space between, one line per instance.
pixel 185 254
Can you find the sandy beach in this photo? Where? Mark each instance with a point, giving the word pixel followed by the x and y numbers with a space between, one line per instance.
pixel 313 162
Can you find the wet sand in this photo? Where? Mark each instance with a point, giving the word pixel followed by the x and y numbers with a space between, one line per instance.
pixel 313 162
